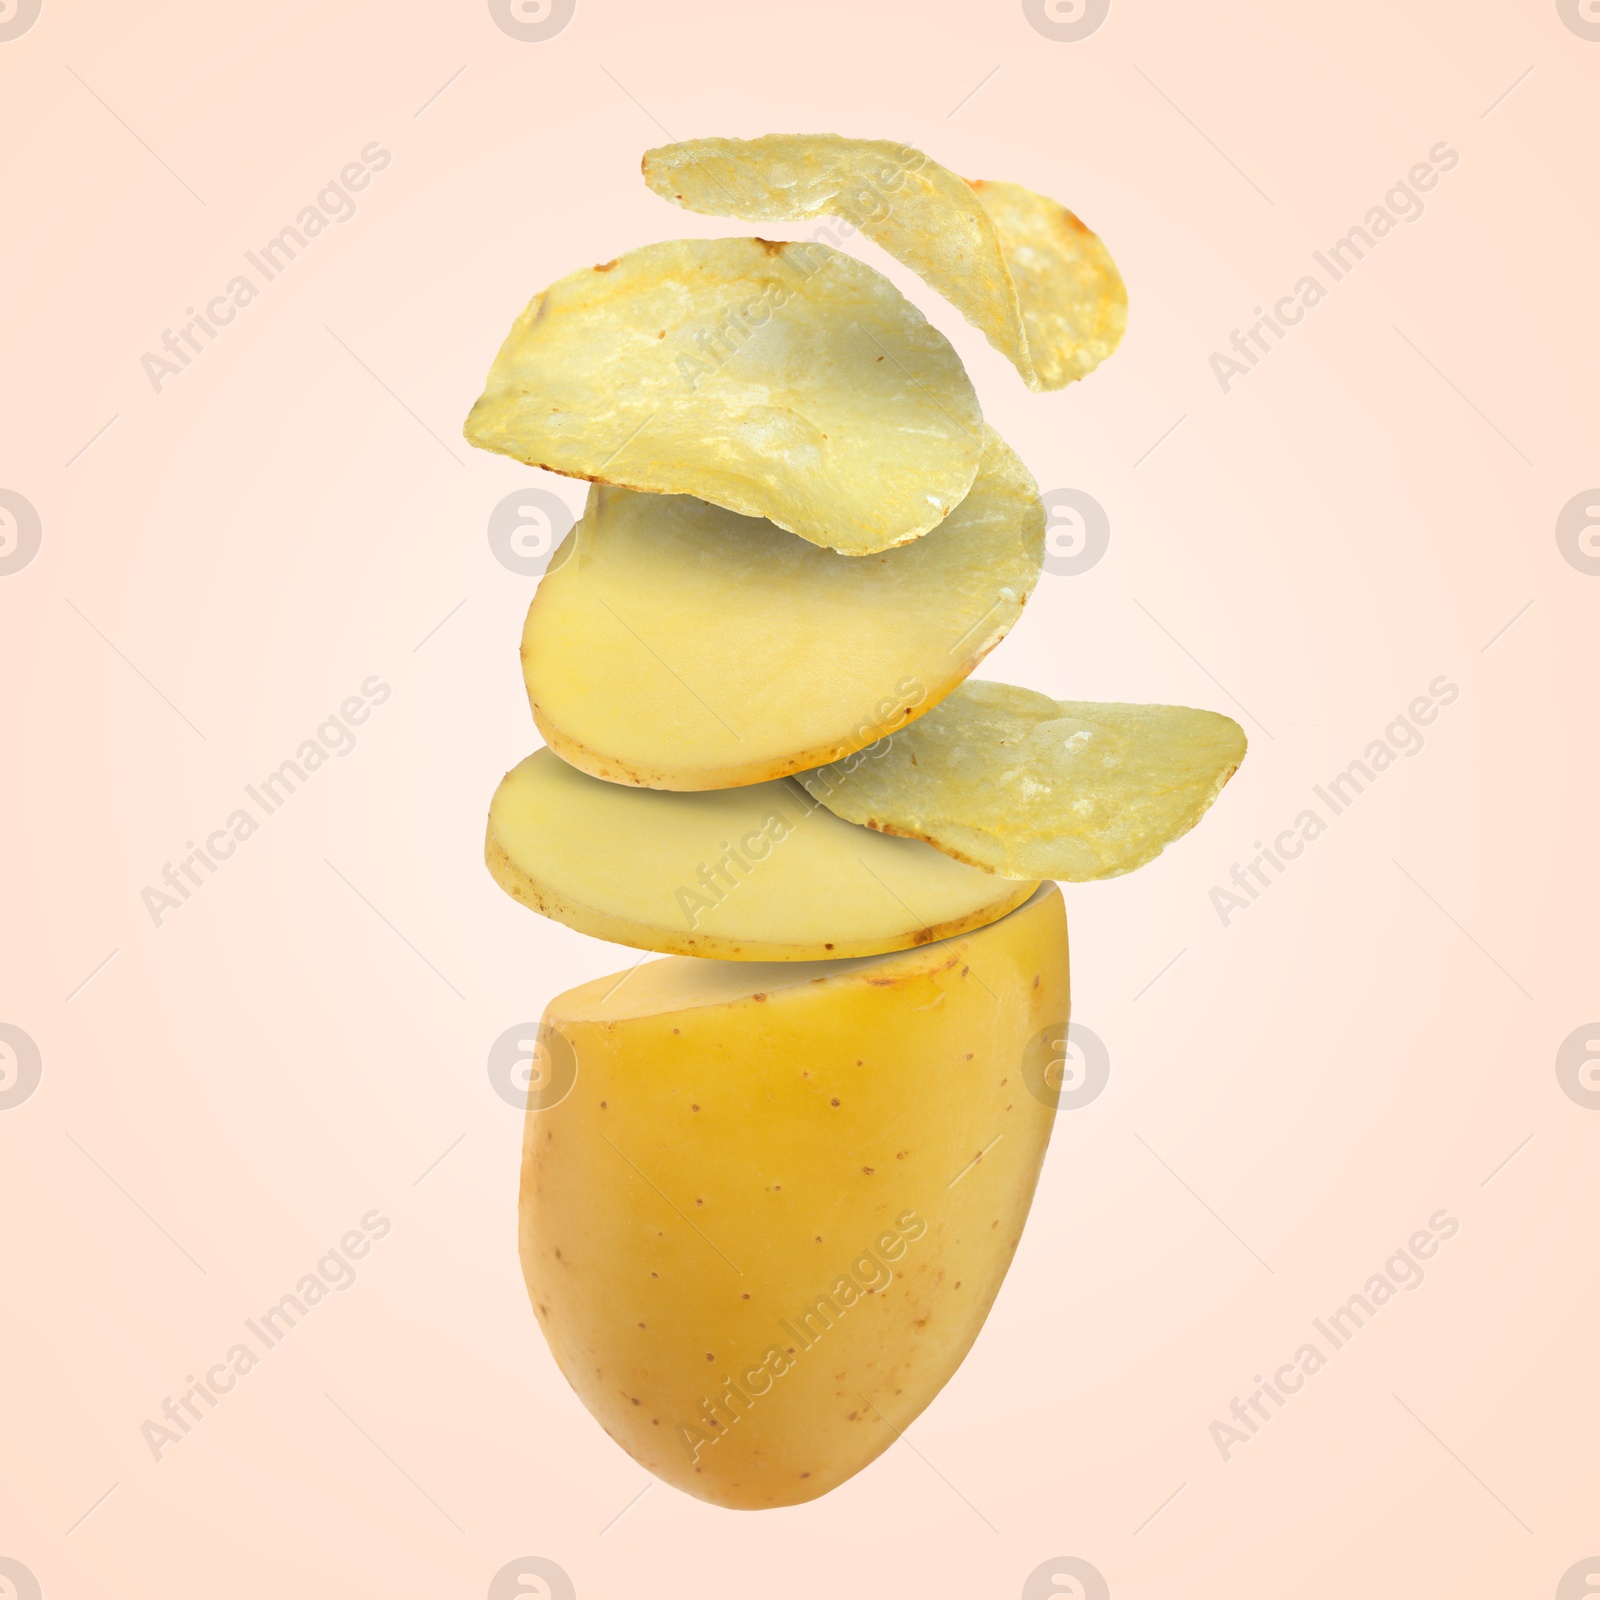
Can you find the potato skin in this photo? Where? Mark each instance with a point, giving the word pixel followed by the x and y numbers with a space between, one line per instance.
pixel 761 1233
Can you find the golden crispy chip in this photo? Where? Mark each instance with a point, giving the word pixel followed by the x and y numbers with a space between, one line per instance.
pixel 1020 268
pixel 1074 303
pixel 680 646
pixel 1030 787
pixel 920 212
pixel 761 873
pixel 786 381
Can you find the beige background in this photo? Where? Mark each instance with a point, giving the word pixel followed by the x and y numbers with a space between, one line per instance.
pixel 224 1096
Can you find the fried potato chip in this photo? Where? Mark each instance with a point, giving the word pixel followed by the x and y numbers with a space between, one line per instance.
pixel 681 646
pixel 761 873
pixel 1030 787
pixel 1020 268
pixel 1074 303
pixel 786 381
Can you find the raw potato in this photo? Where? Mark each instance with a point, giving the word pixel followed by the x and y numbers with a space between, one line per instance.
pixel 1029 787
pixel 1074 303
pixel 761 873
pixel 1020 268
pixel 680 646
pixel 786 381
pixel 758 1232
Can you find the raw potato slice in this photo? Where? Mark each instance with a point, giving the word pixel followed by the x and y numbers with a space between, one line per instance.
pixel 770 1216
pixel 787 381
pixel 680 646
pixel 1074 303
pixel 754 874
pixel 1021 269
pixel 1029 787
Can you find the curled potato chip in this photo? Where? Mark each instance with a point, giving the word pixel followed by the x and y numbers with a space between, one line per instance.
pixel 1074 303
pixel 677 645
pixel 1022 269
pixel 761 873
pixel 1030 787
pixel 786 381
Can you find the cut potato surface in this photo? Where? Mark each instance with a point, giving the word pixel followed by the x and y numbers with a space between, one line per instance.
pixel 1021 268
pixel 760 873
pixel 786 381
pixel 678 645
pixel 768 1221
pixel 1029 787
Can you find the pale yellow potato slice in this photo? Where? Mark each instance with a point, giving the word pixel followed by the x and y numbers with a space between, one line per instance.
pixel 680 646
pixel 1074 302
pixel 786 381
pixel 1020 268
pixel 760 873
pixel 1029 787
pixel 772 1211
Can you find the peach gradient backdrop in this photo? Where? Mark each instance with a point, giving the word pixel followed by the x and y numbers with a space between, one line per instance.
pixel 306 1038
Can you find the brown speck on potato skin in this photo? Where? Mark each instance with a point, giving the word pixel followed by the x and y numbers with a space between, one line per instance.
pixel 868 1171
pixel 605 266
pixel 1036 980
pixel 693 1107
pixel 758 997
pixel 710 1356
pixel 834 1101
